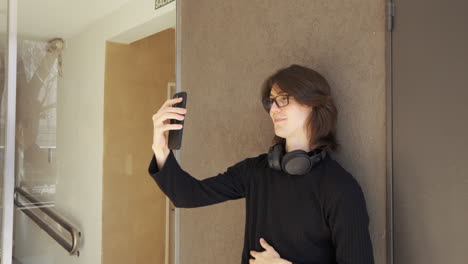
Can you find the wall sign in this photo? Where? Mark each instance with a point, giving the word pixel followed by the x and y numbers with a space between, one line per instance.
pixel 160 3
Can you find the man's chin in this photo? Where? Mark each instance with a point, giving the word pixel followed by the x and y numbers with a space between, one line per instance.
pixel 279 134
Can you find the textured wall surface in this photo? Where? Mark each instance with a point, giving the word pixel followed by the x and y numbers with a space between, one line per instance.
pixel 228 49
pixel 133 207
pixel 430 190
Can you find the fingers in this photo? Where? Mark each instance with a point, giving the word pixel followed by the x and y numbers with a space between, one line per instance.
pixel 175 110
pixel 264 244
pixel 171 127
pixel 167 106
pixel 179 110
pixel 172 101
pixel 253 253
pixel 161 122
pixel 158 119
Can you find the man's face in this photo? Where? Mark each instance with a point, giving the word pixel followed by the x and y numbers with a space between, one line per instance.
pixel 289 121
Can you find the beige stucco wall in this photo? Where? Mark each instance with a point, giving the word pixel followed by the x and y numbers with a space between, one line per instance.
pixel 133 208
pixel 228 49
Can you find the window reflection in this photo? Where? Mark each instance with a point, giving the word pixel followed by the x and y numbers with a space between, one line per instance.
pixel 39 65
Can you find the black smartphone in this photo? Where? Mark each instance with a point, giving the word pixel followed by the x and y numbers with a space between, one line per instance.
pixel 175 136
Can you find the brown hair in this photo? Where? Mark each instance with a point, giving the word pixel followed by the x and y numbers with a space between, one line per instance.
pixel 309 88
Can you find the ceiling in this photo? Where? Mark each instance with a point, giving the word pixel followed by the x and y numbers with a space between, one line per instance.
pixel 46 19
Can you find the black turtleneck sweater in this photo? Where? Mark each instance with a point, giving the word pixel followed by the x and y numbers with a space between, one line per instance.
pixel 316 218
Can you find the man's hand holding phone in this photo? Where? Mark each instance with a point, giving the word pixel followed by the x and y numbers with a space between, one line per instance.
pixel 162 125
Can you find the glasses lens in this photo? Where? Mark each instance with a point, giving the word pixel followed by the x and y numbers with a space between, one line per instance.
pixel 282 100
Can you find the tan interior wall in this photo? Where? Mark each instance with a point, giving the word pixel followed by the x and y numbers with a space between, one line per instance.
pixel 228 49
pixel 134 216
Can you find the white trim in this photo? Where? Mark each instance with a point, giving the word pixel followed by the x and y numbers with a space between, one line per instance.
pixel 176 235
pixel 171 89
pixel 9 162
pixel 389 140
pixel 166 243
pixel 178 89
pixel 169 93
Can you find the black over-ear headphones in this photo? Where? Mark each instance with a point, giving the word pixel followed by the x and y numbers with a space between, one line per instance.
pixel 296 162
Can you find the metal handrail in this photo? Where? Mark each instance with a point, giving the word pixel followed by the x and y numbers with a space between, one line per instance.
pixel 75 234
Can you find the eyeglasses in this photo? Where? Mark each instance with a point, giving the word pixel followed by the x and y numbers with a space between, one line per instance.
pixel 280 100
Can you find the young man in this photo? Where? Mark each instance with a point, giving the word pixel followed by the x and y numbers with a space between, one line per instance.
pixel 301 205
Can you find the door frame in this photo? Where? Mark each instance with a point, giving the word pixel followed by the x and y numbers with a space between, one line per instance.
pixel 10 127
pixel 390 7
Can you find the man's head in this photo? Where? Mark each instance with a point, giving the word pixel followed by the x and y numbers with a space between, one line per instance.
pixel 303 106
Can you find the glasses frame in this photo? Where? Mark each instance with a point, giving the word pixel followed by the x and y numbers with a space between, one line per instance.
pixel 273 100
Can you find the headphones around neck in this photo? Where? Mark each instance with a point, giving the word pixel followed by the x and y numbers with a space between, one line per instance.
pixel 296 162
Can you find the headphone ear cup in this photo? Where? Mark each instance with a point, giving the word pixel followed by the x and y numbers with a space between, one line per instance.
pixel 296 162
pixel 274 156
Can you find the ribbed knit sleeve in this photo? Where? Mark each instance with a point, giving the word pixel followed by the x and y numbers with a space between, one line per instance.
pixel 186 191
pixel 349 223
